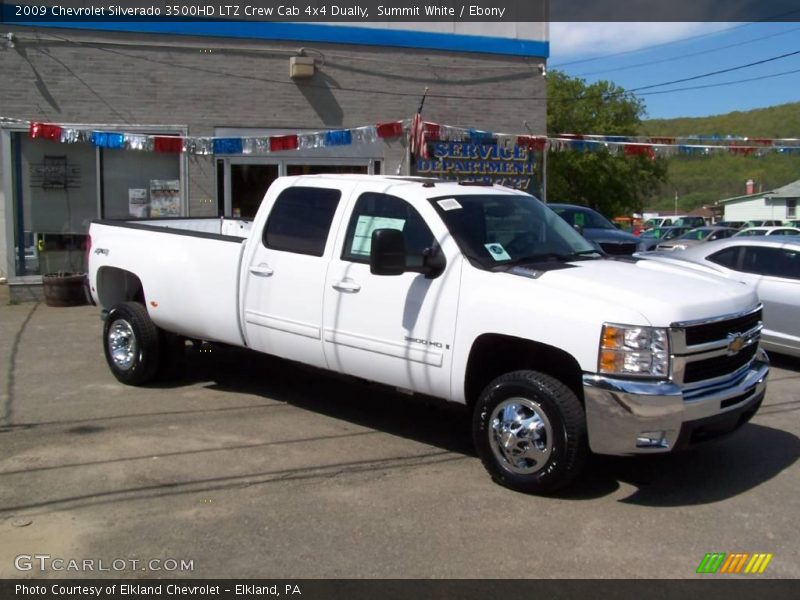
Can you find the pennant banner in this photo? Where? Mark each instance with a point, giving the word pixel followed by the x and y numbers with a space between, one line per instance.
pixel 420 135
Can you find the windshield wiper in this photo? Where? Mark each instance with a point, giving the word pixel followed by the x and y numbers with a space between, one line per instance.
pixel 543 256
pixel 548 256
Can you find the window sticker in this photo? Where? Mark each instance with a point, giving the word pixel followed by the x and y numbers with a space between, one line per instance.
pixel 449 204
pixel 580 219
pixel 497 251
pixel 366 224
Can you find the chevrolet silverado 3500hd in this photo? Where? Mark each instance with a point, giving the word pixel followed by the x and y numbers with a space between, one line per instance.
pixel 480 295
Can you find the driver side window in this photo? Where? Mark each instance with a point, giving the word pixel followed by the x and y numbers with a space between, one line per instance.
pixel 373 211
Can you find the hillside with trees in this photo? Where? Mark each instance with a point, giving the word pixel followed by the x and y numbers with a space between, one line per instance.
pixel 703 180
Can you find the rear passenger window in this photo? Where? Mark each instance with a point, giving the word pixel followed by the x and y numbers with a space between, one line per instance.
pixel 727 258
pixel 301 220
pixel 382 211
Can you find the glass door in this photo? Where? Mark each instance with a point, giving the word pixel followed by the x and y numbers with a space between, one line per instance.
pixel 249 183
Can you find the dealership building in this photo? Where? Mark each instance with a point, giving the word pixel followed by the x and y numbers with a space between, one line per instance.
pixel 236 82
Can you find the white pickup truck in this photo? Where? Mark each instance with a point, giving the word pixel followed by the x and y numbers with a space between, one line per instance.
pixel 477 294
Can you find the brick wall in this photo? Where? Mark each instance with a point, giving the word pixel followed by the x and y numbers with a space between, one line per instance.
pixel 202 83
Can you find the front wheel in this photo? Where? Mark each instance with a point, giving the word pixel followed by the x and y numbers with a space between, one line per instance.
pixel 131 344
pixel 529 430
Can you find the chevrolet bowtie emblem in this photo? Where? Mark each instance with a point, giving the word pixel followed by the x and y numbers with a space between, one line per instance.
pixel 736 343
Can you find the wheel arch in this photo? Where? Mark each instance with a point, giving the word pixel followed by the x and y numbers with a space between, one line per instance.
pixel 115 286
pixel 494 354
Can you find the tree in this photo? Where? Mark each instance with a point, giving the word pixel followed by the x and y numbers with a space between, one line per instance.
pixel 612 183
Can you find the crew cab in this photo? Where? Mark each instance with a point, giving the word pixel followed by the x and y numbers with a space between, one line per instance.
pixel 479 295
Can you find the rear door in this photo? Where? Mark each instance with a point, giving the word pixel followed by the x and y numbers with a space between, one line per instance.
pixel 286 271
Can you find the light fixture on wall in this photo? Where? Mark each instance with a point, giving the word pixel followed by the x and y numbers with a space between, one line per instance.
pixel 301 66
pixel 542 69
pixel 11 40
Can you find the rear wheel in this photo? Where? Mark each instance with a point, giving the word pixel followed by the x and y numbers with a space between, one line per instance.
pixel 131 344
pixel 529 430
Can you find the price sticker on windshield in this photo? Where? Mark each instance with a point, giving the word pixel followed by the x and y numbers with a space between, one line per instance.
pixel 449 204
pixel 497 251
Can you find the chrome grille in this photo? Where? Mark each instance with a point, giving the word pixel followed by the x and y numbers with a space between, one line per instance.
pixel 711 368
pixel 618 249
pixel 706 352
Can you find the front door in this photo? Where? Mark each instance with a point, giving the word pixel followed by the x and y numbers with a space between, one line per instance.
pixel 396 330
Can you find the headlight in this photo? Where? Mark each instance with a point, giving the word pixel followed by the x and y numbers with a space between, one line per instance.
pixel 631 350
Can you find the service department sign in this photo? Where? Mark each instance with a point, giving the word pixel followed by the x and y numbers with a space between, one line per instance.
pixel 517 167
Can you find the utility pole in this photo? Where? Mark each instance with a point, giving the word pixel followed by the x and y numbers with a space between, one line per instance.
pixel 676 203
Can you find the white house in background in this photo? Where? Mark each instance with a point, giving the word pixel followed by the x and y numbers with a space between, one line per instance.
pixel 779 204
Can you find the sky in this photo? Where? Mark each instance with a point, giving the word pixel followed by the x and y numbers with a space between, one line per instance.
pixel 637 55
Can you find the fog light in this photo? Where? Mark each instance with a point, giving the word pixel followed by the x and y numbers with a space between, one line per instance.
pixel 652 439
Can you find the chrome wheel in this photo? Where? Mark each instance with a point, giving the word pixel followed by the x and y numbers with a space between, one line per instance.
pixel 122 344
pixel 521 436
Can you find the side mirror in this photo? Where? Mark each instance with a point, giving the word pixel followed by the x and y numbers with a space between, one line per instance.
pixel 388 252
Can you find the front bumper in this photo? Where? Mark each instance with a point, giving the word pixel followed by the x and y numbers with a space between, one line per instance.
pixel 636 417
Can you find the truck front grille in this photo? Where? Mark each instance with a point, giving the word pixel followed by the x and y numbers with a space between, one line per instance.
pixel 618 249
pixel 710 351
pixel 709 332
pixel 711 368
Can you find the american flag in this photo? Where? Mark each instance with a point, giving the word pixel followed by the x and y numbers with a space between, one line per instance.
pixel 418 141
pixel 418 132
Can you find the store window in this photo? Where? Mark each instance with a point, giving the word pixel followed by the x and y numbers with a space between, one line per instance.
pixel 56 199
pixel 140 184
pixel 59 189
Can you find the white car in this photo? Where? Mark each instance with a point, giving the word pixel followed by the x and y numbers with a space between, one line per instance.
pixel 753 231
pixel 771 265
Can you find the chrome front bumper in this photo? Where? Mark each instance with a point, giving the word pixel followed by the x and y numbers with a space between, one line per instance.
pixel 625 416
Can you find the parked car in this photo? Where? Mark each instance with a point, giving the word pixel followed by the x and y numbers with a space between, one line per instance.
pixel 652 237
pixel 792 223
pixel 770 265
pixel 690 222
pixel 658 222
pixel 751 231
pixel 764 223
pixel 596 228
pixel 733 224
pixel 480 295
pixel 697 236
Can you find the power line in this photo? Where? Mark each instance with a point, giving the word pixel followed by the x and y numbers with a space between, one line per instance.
pixel 689 55
pixel 718 72
pixel 647 48
pixel 720 84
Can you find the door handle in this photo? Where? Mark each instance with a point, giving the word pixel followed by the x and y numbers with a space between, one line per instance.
pixel 348 286
pixel 262 269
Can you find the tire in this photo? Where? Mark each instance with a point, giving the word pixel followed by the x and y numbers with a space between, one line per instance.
pixel 529 430
pixel 131 344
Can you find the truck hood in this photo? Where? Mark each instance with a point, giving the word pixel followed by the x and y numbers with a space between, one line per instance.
pixel 662 293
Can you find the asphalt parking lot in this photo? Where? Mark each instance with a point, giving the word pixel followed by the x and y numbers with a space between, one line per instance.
pixel 254 467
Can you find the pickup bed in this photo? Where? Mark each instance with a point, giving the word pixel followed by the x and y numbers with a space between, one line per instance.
pixel 480 295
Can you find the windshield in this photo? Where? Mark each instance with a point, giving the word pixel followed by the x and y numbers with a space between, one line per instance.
pixel 582 216
pixel 696 234
pixel 504 229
